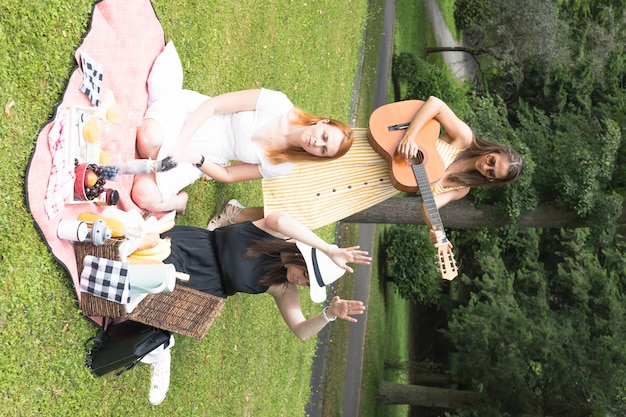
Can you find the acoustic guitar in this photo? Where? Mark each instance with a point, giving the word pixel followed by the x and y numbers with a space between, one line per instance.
pixel 387 126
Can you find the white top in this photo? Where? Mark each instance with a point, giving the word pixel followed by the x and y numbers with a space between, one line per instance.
pixel 221 139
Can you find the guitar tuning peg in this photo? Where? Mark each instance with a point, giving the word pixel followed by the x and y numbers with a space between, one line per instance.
pixel 446 264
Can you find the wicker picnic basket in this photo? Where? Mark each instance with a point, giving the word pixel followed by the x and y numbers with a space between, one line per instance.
pixel 184 311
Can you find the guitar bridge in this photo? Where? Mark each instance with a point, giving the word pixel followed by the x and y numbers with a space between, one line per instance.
pixel 399 126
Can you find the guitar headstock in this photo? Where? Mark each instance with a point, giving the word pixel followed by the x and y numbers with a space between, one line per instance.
pixel 446 263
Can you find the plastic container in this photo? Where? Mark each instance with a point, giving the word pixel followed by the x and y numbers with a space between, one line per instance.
pixel 98 233
pixel 74 230
pixel 151 278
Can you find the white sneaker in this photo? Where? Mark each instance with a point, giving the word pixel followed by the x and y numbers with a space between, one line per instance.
pixel 160 378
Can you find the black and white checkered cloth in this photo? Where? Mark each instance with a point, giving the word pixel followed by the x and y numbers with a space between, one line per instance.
pixel 92 78
pixel 105 278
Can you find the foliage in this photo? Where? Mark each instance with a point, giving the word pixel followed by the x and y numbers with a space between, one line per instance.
pixel 539 313
pixel 557 101
pixel 577 161
pixel 551 345
pixel 566 61
pixel 508 36
pixel 540 53
pixel 410 265
pixel 470 13
pixel 423 80
pixel 592 9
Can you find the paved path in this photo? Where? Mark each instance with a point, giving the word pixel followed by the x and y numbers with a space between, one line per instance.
pixel 356 342
pixel 461 64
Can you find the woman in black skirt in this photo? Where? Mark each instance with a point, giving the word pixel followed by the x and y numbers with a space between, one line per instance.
pixel 273 255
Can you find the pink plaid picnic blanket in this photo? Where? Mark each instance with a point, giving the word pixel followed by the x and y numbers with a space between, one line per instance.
pixel 125 38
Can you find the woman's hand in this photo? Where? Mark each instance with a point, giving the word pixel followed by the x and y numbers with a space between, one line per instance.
pixel 438 238
pixel 344 309
pixel 165 164
pixel 341 256
pixel 458 133
pixel 408 148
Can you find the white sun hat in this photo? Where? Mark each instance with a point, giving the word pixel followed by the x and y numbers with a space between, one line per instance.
pixel 322 271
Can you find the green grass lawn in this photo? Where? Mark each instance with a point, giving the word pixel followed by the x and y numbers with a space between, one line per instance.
pixel 374 25
pixel 412 28
pixel 249 363
pixel 447 10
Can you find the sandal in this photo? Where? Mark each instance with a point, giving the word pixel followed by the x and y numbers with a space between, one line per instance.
pixel 227 216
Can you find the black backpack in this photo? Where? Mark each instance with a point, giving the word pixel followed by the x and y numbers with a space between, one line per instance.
pixel 122 345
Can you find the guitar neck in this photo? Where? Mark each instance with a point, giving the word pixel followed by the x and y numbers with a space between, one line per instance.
pixel 427 196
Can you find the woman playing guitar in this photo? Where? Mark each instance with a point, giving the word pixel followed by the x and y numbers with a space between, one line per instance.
pixel 478 163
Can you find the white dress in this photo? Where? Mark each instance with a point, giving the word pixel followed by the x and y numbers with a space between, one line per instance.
pixel 221 139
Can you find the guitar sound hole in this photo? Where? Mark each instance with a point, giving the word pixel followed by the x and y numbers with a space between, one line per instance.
pixel 418 159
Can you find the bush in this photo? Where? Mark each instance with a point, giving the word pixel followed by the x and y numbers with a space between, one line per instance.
pixel 470 13
pixel 410 263
pixel 422 80
pixel 403 67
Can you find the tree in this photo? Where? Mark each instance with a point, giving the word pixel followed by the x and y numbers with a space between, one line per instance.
pixel 540 329
pixel 391 393
pixel 422 80
pixel 545 53
pixel 529 345
pixel 538 346
pixel 465 214
pixel 505 37
pixel 577 153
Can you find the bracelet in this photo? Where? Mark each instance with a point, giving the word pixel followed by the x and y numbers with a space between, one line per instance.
pixel 199 165
pixel 326 317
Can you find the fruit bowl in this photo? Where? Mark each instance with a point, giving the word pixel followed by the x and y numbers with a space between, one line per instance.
pixel 88 183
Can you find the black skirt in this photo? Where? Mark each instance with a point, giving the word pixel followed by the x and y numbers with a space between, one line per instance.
pixel 193 252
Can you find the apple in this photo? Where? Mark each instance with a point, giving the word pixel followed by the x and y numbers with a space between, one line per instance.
pixel 90 178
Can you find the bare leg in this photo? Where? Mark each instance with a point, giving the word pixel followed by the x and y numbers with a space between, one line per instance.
pixel 146 195
pixel 250 214
pixel 145 192
pixel 149 139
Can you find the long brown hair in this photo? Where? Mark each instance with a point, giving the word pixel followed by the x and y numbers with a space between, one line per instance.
pixel 480 147
pixel 279 253
pixel 297 154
